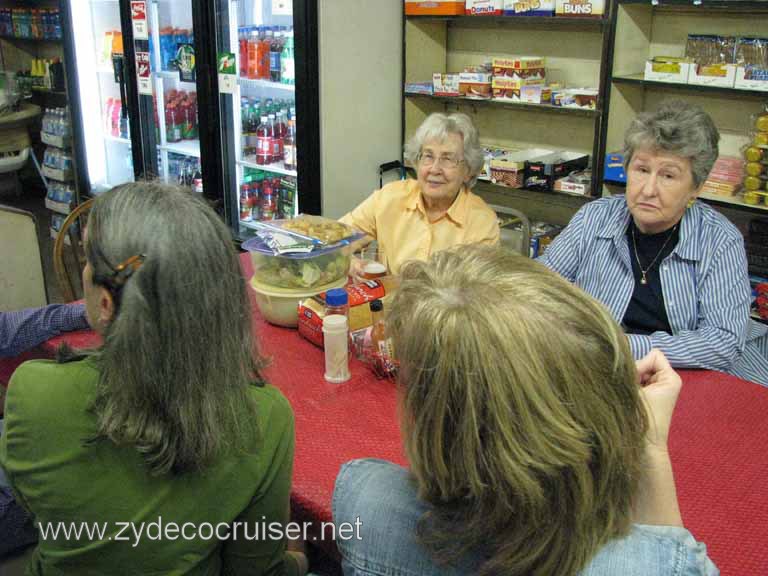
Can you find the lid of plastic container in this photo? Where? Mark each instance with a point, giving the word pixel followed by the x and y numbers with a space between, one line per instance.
pixel 376 306
pixel 269 290
pixel 336 297
pixel 259 245
pixel 334 322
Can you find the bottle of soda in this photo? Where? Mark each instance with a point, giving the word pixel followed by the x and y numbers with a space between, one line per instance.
pixel 268 203
pixel 253 128
pixel 288 61
pixel 253 55
pixel 275 52
pixel 254 195
pixel 289 147
pixel 276 153
pixel 242 43
pixel 245 207
pixel 264 142
pixel 265 47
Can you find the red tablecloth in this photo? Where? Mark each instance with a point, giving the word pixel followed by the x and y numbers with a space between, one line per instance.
pixel 719 442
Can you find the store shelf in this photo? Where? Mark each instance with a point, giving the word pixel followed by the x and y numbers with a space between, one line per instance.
pixel 274 168
pixel 249 83
pixel 639 80
pixel 706 5
pixel 59 207
pixel 22 39
pixel 522 106
pixel 502 188
pixel 185 148
pixel 522 21
pixel 43 90
pixel 733 201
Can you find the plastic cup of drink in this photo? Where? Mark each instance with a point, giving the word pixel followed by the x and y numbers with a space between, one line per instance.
pixel 369 264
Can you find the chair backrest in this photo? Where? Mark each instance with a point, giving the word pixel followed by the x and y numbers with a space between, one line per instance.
pixel 22 279
pixel 69 254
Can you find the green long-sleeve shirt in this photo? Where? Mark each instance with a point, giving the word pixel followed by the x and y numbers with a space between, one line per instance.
pixel 67 483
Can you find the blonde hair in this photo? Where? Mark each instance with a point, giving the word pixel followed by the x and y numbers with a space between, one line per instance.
pixel 522 418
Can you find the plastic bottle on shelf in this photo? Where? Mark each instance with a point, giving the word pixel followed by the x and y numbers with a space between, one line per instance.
pixel 265 46
pixel 264 142
pixel 172 127
pixel 276 142
pixel 55 16
pixel 253 54
pixel 268 202
pixel 289 147
pixel 288 61
pixel 253 127
pixel 275 52
pixel 242 42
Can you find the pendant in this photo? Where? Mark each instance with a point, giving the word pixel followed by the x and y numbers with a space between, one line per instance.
pixel 643 280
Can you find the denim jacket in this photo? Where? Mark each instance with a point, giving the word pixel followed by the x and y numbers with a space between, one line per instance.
pixel 383 497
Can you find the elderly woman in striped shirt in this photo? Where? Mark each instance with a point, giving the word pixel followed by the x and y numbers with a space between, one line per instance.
pixel 672 270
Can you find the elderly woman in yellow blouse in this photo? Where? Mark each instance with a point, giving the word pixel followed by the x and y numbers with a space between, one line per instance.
pixel 412 219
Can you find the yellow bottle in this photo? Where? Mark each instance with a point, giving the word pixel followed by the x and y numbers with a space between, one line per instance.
pixel 762 123
pixel 752 183
pixel 761 139
pixel 752 198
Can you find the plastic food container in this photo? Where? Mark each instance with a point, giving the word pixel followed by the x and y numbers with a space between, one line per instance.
pixel 280 306
pixel 299 271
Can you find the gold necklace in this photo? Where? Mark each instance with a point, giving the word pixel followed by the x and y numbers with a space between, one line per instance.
pixel 644 279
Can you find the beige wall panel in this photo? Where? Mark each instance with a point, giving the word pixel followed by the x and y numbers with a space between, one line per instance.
pixel 425 44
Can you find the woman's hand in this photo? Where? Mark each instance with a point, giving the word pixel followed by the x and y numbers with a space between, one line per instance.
pixel 660 389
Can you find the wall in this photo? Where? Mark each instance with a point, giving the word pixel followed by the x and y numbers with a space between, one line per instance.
pixel 360 44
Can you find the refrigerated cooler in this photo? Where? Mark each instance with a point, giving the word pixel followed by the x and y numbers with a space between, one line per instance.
pixel 127 129
pixel 269 115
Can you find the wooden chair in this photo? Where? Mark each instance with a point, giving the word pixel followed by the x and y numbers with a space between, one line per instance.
pixel 68 264
pixel 22 277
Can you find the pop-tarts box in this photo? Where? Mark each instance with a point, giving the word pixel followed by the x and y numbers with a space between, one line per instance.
pixel 484 7
pixel 529 7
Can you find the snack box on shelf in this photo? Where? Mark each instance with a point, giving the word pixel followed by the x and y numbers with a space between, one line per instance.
pixel 575 183
pixel 585 98
pixel 425 88
pixel 721 75
pixel 475 85
pixel 751 78
pixel 445 84
pixel 484 7
pixel 663 69
pixel 509 169
pixel 536 94
pixel 529 7
pixel 434 7
pixel 541 173
pixel 489 154
pixel 507 88
pixel 613 170
pixel 512 66
pixel 580 8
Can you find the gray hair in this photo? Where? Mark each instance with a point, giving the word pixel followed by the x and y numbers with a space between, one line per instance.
pixel 678 128
pixel 437 127
pixel 178 355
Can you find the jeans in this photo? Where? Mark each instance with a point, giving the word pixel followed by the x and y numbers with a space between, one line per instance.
pixel 16 528
pixel 383 497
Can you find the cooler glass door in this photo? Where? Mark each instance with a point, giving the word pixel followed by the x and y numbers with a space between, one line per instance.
pixel 260 128
pixel 97 39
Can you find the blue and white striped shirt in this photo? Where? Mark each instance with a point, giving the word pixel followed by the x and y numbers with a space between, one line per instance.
pixel 704 281
pixel 25 329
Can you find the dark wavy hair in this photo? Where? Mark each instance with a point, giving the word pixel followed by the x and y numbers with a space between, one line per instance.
pixel 178 356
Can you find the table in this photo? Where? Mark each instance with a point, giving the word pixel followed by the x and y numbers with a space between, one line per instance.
pixel 718 442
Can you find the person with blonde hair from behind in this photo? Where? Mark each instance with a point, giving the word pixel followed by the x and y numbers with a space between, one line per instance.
pixel 537 445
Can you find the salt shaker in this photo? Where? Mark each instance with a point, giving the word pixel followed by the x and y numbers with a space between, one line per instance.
pixel 335 334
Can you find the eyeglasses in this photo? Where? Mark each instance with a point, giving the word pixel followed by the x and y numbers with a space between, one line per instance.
pixel 428 159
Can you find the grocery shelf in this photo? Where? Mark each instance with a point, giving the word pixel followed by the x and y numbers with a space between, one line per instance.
pixel 707 5
pixel 275 168
pixel 522 21
pixel 23 39
pixel 185 148
pixel 502 187
pixel 250 83
pixel 523 106
pixel 733 201
pixel 640 80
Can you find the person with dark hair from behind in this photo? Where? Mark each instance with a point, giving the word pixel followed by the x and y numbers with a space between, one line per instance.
pixel 537 446
pixel 169 420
